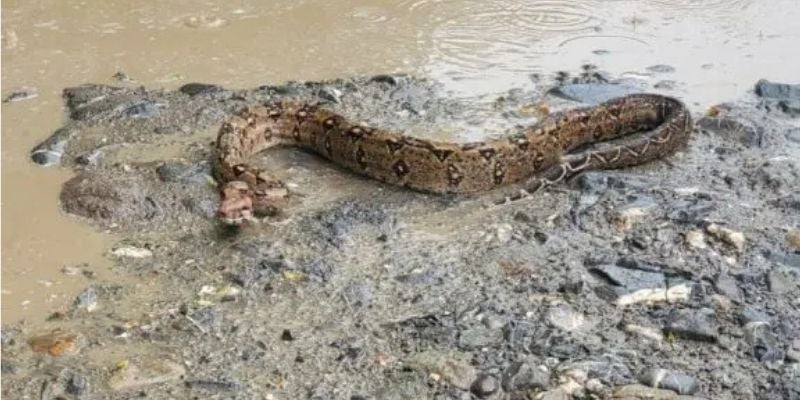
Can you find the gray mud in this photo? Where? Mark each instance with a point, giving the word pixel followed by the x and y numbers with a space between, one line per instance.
pixel 671 280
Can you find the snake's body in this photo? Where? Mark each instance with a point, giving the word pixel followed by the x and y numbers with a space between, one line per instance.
pixel 539 155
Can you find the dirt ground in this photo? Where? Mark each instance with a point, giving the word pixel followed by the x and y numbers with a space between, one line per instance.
pixel 677 279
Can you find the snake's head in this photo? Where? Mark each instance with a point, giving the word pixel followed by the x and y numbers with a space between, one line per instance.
pixel 237 204
pixel 240 202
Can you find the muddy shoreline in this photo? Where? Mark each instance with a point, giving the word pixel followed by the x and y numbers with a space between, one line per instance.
pixel 677 278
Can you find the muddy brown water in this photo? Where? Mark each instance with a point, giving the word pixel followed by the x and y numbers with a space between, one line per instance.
pixel 718 49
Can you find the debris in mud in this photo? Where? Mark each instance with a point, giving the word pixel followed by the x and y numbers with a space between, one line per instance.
pixel 57 343
pixel 21 95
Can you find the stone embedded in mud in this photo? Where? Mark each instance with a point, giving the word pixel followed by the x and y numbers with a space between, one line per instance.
pixel 194 89
pixel 728 286
pixel 742 131
pixel 641 392
pixel 57 343
pixel 77 385
pixel 132 252
pixel 782 280
pixel 485 385
pixel 645 332
pixel 696 239
pixel 778 91
pixel 525 376
pixel 145 109
pixel 693 324
pixel 727 235
pixel 562 316
pixel 626 216
pixel 453 367
pixel 20 95
pixel 661 69
pixel 764 345
pixel 87 300
pixel 790 107
pixel 665 379
pixel 628 286
pixel 136 375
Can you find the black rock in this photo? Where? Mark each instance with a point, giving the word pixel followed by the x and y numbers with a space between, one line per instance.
pixel 693 324
pixel 194 89
pixel 778 91
pixel 287 336
pixel 485 385
pixel 525 376
pixel 77 385
pixel 383 78
pixel 671 380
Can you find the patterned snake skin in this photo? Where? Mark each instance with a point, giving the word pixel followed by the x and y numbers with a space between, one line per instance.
pixel 538 156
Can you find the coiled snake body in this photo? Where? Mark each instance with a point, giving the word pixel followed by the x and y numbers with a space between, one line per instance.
pixel 538 156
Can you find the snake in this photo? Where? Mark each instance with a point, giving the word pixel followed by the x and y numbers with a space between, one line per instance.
pixel 620 132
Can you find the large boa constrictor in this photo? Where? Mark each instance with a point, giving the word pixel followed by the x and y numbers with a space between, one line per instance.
pixel 540 155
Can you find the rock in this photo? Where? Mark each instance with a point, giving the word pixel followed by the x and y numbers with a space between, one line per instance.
pixel 592 93
pixel 87 300
pixel 791 107
pixel 700 324
pixel 185 173
pixel 782 280
pixel 359 295
pixel 563 317
pixel 555 394
pixel 132 252
pixel 777 91
pixel 20 95
pixel 204 319
pixel 122 76
pixel 645 332
pixel 641 392
pixel 764 344
pixel 195 89
pixel 793 135
pixel 50 151
pixel 211 385
pixel 793 239
pixel 57 343
pixel 485 385
pixel 626 216
pixel 666 84
pixel 478 337
pixel 609 368
pixel 525 376
pixel 149 372
pixel 453 367
pixel 146 109
pixel 696 239
pixel 661 69
pixel 729 236
pixel 727 285
pixel 665 379
pixel 631 286
pixel 8 367
pixel 77 385
pixel 750 314
pixel 383 78
pixel 690 211
pixel 739 130
pixel 90 159
pixel 98 196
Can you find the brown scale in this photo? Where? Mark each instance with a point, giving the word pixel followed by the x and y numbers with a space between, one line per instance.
pixel 536 157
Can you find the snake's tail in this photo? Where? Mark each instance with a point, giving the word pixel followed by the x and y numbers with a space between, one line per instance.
pixel 672 134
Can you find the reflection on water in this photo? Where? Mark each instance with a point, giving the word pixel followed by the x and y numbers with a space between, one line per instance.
pixel 718 48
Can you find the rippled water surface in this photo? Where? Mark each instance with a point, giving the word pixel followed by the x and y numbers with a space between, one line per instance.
pixel 718 49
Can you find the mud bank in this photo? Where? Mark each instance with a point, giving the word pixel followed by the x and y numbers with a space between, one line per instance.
pixel 678 279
